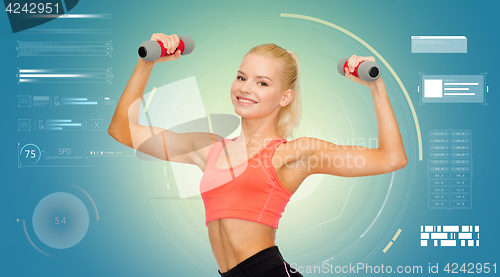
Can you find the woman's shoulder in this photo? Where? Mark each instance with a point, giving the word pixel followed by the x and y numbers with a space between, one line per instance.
pixel 293 150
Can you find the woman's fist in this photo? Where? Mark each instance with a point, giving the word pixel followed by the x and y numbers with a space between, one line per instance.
pixel 170 43
pixel 352 62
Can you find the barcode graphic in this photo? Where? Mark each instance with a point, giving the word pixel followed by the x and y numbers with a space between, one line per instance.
pixel 449 235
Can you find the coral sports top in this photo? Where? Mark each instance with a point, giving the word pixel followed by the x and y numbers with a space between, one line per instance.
pixel 250 191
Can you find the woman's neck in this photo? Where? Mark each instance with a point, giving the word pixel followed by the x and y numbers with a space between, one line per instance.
pixel 257 130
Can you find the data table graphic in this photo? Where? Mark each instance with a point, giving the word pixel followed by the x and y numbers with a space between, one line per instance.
pixel 450 169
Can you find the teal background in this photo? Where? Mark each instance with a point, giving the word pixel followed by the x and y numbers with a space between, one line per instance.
pixel 145 229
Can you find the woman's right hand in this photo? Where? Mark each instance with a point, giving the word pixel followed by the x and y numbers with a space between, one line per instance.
pixel 170 42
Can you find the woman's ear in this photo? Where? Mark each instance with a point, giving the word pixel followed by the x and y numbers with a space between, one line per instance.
pixel 287 97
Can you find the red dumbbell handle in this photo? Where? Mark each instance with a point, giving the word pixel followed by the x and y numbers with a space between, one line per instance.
pixel 355 73
pixel 164 50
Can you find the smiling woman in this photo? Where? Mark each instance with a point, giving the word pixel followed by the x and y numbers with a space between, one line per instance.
pixel 248 180
pixel 244 200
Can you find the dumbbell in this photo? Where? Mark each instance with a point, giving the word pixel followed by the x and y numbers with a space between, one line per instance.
pixel 151 50
pixel 367 70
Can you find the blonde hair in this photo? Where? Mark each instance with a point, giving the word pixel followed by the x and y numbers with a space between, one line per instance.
pixel 288 116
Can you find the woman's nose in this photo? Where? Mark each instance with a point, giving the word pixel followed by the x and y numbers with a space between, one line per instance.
pixel 247 87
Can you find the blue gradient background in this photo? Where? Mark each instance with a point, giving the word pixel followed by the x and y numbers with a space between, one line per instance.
pixel 145 229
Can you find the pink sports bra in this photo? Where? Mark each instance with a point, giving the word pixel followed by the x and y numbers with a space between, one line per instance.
pixel 250 191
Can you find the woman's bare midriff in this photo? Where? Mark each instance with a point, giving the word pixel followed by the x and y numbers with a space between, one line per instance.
pixel 234 240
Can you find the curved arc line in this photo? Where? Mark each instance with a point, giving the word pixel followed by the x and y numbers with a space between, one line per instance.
pixel 383 205
pixel 33 244
pixel 417 126
pixel 90 198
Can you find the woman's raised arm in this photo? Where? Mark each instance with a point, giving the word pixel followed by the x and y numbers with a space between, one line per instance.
pixel 154 141
pixel 323 157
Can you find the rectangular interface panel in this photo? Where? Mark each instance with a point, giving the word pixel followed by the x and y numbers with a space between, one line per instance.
pixel 453 88
pixel 438 44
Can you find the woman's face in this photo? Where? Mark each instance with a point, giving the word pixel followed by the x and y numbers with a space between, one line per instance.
pixel 258 79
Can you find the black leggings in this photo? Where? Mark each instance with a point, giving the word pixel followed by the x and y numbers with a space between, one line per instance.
pixel 265 263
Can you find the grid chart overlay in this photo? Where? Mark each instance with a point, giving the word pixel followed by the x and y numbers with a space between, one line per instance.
pixel 450 169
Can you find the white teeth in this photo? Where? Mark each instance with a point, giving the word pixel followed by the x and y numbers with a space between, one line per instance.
pixel 246 101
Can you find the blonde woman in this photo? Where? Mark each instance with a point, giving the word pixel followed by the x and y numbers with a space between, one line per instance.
pixel 245 189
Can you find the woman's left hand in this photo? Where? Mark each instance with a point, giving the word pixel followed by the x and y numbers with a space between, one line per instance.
pixel 352 62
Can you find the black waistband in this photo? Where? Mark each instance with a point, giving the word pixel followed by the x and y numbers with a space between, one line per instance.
pixel 255 262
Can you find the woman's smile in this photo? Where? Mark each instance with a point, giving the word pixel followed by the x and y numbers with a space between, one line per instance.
pixel 244 101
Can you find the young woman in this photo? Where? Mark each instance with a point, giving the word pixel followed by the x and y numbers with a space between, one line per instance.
pixel 245 190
